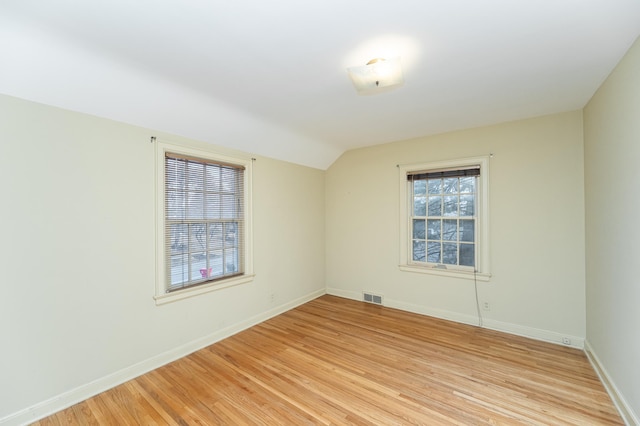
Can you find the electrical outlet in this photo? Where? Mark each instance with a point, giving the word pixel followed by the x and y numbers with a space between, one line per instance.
pixel 566 341
pixel 486 306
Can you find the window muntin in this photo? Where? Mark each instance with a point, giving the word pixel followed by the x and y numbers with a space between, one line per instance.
pixel 204 220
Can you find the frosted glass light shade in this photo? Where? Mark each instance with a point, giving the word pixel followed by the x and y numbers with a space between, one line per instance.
pixel 376 75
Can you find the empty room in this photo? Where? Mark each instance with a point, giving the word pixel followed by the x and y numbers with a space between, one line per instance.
pixel 319 212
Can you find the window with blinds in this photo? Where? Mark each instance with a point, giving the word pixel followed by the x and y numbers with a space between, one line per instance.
pixel 443 216
pixel 204 220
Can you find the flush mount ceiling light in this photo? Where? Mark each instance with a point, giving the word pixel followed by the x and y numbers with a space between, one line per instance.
pixel 376 75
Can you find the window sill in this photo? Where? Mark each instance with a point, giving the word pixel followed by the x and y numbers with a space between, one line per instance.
pixel 201 289
pixel 468 275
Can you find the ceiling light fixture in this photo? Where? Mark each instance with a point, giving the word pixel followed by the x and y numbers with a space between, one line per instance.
pixel 377 74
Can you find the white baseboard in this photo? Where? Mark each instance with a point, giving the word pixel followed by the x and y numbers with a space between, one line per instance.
pixel 626 412
pixel 432 312
pixel 519 330
pixel 534 333
pixel 73 396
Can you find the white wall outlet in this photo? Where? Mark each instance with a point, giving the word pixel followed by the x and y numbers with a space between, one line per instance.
pixel 486 306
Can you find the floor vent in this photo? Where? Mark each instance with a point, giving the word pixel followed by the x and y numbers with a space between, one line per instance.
pixel 372 298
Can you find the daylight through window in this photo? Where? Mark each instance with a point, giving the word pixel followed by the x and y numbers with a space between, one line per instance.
pixel 204 221
pixel 443 218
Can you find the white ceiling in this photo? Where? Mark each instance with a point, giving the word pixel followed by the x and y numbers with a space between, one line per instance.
pixel 269 77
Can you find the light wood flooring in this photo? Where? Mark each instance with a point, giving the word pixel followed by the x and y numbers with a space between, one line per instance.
pixel 338 361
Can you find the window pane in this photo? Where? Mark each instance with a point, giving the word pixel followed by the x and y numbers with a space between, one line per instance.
pixel 215 235
pixel 450 253
pixel 419 248
pixel 467 205
pixel 467 254
pixel 179 270
pixel 420 187
pixel 467 184
pixel 450 185
pixel 213 178
pixel 450 205
pixel 230 234
pixel 435 186
pixel 433 229
pixel 434 254
pixel 467 230
pixel 178 238
pixel 212 206
pixel 419 206
pixel 195 205
pixel 198 262
pixel 195 176
pixel 228 207
pixel 176 202
pixel 175 173
pixel 450 229
pixel 231 260
pixel 215 263
pixel 197 237
pixel 435 206
pixel 228 176
pixel 419 229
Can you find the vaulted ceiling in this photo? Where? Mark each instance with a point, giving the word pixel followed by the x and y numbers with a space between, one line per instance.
pixel 269 77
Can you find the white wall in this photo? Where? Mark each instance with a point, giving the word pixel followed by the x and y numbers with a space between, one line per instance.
pixel 612 179
pixel 536 228
pixel 77 258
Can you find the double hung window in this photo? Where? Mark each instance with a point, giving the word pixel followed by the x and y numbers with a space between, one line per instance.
pixel 444 218
pixel 204 221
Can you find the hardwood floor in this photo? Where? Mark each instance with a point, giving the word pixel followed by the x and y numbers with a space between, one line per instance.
pixel 338 361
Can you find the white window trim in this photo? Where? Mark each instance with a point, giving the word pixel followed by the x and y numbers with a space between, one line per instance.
pixel 481 272
pixel 161 295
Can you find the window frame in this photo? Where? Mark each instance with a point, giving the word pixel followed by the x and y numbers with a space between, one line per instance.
pixel 480 271
pixel 162 293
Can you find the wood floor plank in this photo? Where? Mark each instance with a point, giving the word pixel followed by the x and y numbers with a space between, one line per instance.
pixel 335 361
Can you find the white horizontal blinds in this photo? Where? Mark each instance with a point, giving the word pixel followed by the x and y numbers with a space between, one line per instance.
pixel 204 220
pixel 444 215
